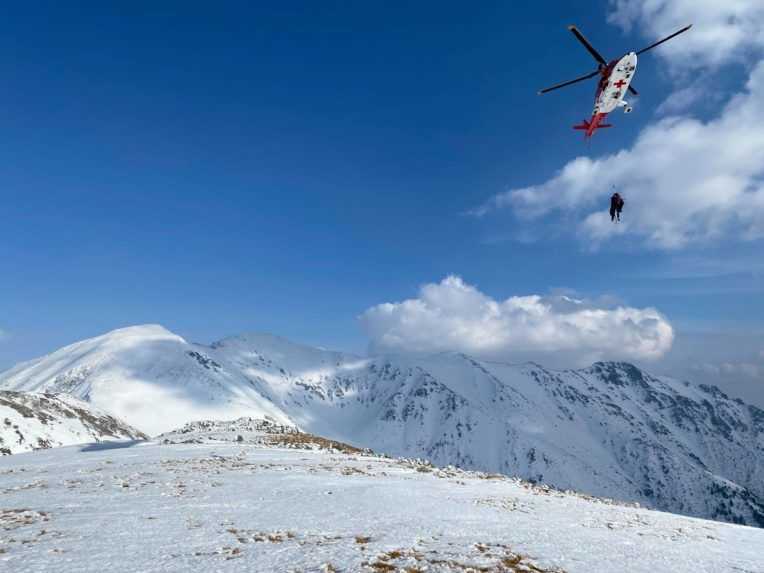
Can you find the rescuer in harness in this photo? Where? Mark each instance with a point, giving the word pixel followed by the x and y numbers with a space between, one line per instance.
pixel 616 206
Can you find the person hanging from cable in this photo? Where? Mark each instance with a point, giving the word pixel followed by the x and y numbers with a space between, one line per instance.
pixel 616 206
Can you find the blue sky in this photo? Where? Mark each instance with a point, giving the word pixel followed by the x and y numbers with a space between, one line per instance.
pixel 286 167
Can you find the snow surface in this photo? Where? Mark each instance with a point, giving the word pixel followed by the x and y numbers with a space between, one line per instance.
pixel 610 430
pixel 230 507
pixel 30 421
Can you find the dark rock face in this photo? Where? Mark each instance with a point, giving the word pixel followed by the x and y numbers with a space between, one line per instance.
pixel 205 361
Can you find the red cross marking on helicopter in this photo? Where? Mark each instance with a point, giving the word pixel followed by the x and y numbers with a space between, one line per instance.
pixel 619 84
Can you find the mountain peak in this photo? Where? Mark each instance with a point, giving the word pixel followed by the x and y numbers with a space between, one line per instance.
pixel 149 331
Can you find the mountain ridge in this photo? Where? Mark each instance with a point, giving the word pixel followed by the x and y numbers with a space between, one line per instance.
pixel 611 429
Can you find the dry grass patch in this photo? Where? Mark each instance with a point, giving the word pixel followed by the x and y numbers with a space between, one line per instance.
pixel 480 558
pixel 382 566
pixel 309 441
pixel 351 470
pixel 249 536
pixel 15 518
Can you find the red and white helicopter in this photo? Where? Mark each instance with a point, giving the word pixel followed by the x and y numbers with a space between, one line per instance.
pixel 615 80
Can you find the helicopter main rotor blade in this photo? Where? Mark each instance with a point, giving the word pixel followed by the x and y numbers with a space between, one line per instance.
pixel 564 84
pixel 587 45
pixel 666 39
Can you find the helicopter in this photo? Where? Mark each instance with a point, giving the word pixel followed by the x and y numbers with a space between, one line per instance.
pixel 615 80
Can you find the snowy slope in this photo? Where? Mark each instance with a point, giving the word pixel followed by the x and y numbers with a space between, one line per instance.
pixel 609 430
pixel 253 431
pixel 30 421
pixel 145 375
pixel 232 507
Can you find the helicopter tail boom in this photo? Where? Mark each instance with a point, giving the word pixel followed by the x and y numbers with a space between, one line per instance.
pixel 591 126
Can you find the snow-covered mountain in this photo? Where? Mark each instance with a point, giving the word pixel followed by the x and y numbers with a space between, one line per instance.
pixel 225 504
pixel 610 430
pixel 30 421
pixel 147 376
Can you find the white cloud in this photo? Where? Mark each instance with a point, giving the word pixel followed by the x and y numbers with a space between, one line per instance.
pixel 723 30
pixel 685 181
pixel 684 98
pixel 454 316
